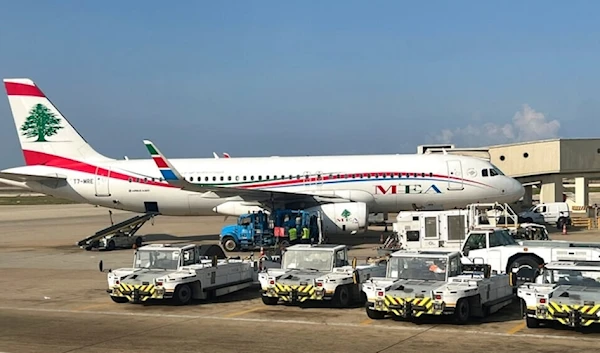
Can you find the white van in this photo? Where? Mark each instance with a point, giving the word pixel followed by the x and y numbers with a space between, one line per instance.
pixel 551 213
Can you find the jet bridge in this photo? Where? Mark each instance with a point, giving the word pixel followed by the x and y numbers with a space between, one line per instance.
pixel 124 229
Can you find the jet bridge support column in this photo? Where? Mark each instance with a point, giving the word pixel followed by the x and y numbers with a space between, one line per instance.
pixel 552 189
pixel 582 191
pixel 528 197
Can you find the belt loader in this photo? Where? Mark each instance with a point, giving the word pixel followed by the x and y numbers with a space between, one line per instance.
pixel 317 272
pixel 567 292
pixel 434 282
pixel 181 272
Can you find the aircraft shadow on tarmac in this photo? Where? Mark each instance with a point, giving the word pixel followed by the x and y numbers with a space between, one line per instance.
pixel 246 294
pixel 162 237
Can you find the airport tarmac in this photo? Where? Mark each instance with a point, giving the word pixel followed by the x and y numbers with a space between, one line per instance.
pixel 55 301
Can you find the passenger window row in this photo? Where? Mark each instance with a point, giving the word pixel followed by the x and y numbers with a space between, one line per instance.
pixel 290 177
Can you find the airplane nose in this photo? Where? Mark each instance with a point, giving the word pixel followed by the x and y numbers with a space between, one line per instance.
pixel 518 188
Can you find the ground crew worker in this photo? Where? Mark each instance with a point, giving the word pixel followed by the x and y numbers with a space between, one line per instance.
pixel 305 235
pixel 435 268
pixel 293 235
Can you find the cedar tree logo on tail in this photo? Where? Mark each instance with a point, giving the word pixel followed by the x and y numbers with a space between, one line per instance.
pixel 41 122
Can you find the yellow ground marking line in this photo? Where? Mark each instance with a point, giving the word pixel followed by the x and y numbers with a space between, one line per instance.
pixel 239 313
pixel 516 328
pixel 366 322
pixel 90 306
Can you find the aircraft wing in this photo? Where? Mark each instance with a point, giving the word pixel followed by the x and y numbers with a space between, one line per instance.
pixel 29 177
pixel 173 177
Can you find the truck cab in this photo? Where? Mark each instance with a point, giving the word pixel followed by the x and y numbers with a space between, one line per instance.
pixel 435 282
pixel 567 292
pixel 316 272
pixel 556 213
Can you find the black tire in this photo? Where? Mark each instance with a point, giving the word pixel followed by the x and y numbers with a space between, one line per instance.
pixel 229 244
pixel 374 314
pixel 528 268
pixel 138 242
pixel 462 312
pixel 183 294
pixel 211 251
pixel 111 245
pixel 532 322
pixel 119 300
pixel 269 300
pixel 341 298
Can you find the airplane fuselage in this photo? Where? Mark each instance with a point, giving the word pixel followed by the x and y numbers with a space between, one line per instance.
pixel 386 183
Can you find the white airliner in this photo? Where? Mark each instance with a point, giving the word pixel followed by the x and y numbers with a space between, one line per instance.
pixel 59 162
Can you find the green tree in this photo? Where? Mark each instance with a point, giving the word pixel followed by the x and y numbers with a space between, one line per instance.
pixel 41 122
pixel 346 213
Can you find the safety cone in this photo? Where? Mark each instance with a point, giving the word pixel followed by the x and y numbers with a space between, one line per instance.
pixel 564 229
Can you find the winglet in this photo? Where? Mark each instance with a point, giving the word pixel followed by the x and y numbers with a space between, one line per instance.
pixel 166 169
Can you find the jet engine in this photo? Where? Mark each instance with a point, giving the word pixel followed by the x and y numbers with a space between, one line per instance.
pixel 237 208
pixel 343 218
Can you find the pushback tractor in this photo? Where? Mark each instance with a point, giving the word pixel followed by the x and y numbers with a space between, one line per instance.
pixel 317 272
pixel 566 292
pixel 434 282
pixel 181 272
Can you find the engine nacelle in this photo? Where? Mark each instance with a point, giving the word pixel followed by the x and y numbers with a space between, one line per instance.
pixel 237 208
pixel 343 218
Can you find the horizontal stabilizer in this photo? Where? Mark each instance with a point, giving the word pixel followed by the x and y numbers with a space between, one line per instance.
pixel 29 177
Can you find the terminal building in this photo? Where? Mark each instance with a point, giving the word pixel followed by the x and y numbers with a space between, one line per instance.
pixel 545 163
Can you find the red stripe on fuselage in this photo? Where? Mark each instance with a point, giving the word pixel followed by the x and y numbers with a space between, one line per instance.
pixel 71 164
pixel 160 162
pixel 66 163
pixel 20 89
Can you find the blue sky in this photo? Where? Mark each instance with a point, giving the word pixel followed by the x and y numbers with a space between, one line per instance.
pixel 259 78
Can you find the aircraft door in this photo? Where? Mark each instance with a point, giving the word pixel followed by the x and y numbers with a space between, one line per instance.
pixel 455 181
pixel 101 181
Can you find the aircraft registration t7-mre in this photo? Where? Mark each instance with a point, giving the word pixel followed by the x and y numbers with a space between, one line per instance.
pixel 344 188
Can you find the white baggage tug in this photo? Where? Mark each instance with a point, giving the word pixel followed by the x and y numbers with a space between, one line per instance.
pixel 434 282
pixel 180 272
pixel 317 272
pixel 567 292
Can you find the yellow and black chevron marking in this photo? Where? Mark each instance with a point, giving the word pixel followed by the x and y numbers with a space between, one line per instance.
pixel 304 293
pixel 419 306
pixel 146 291
pixel 564 312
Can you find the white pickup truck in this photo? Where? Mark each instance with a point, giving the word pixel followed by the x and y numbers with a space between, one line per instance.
pixel 434 282
pixel 317 272
pixel 567 292
pixel 500 250
pixel 180 272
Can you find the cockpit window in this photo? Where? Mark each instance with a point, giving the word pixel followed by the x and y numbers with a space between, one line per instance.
pixel 497 170
pixel 493 172
pixel 484 172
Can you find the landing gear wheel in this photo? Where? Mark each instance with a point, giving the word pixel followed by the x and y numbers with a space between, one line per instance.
pixel 342 297
pixel 532 322
pixel 462 311
pixel 119 300
pixel 183 294
pixel 138 242
pixel 269 300
pixel 229 244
